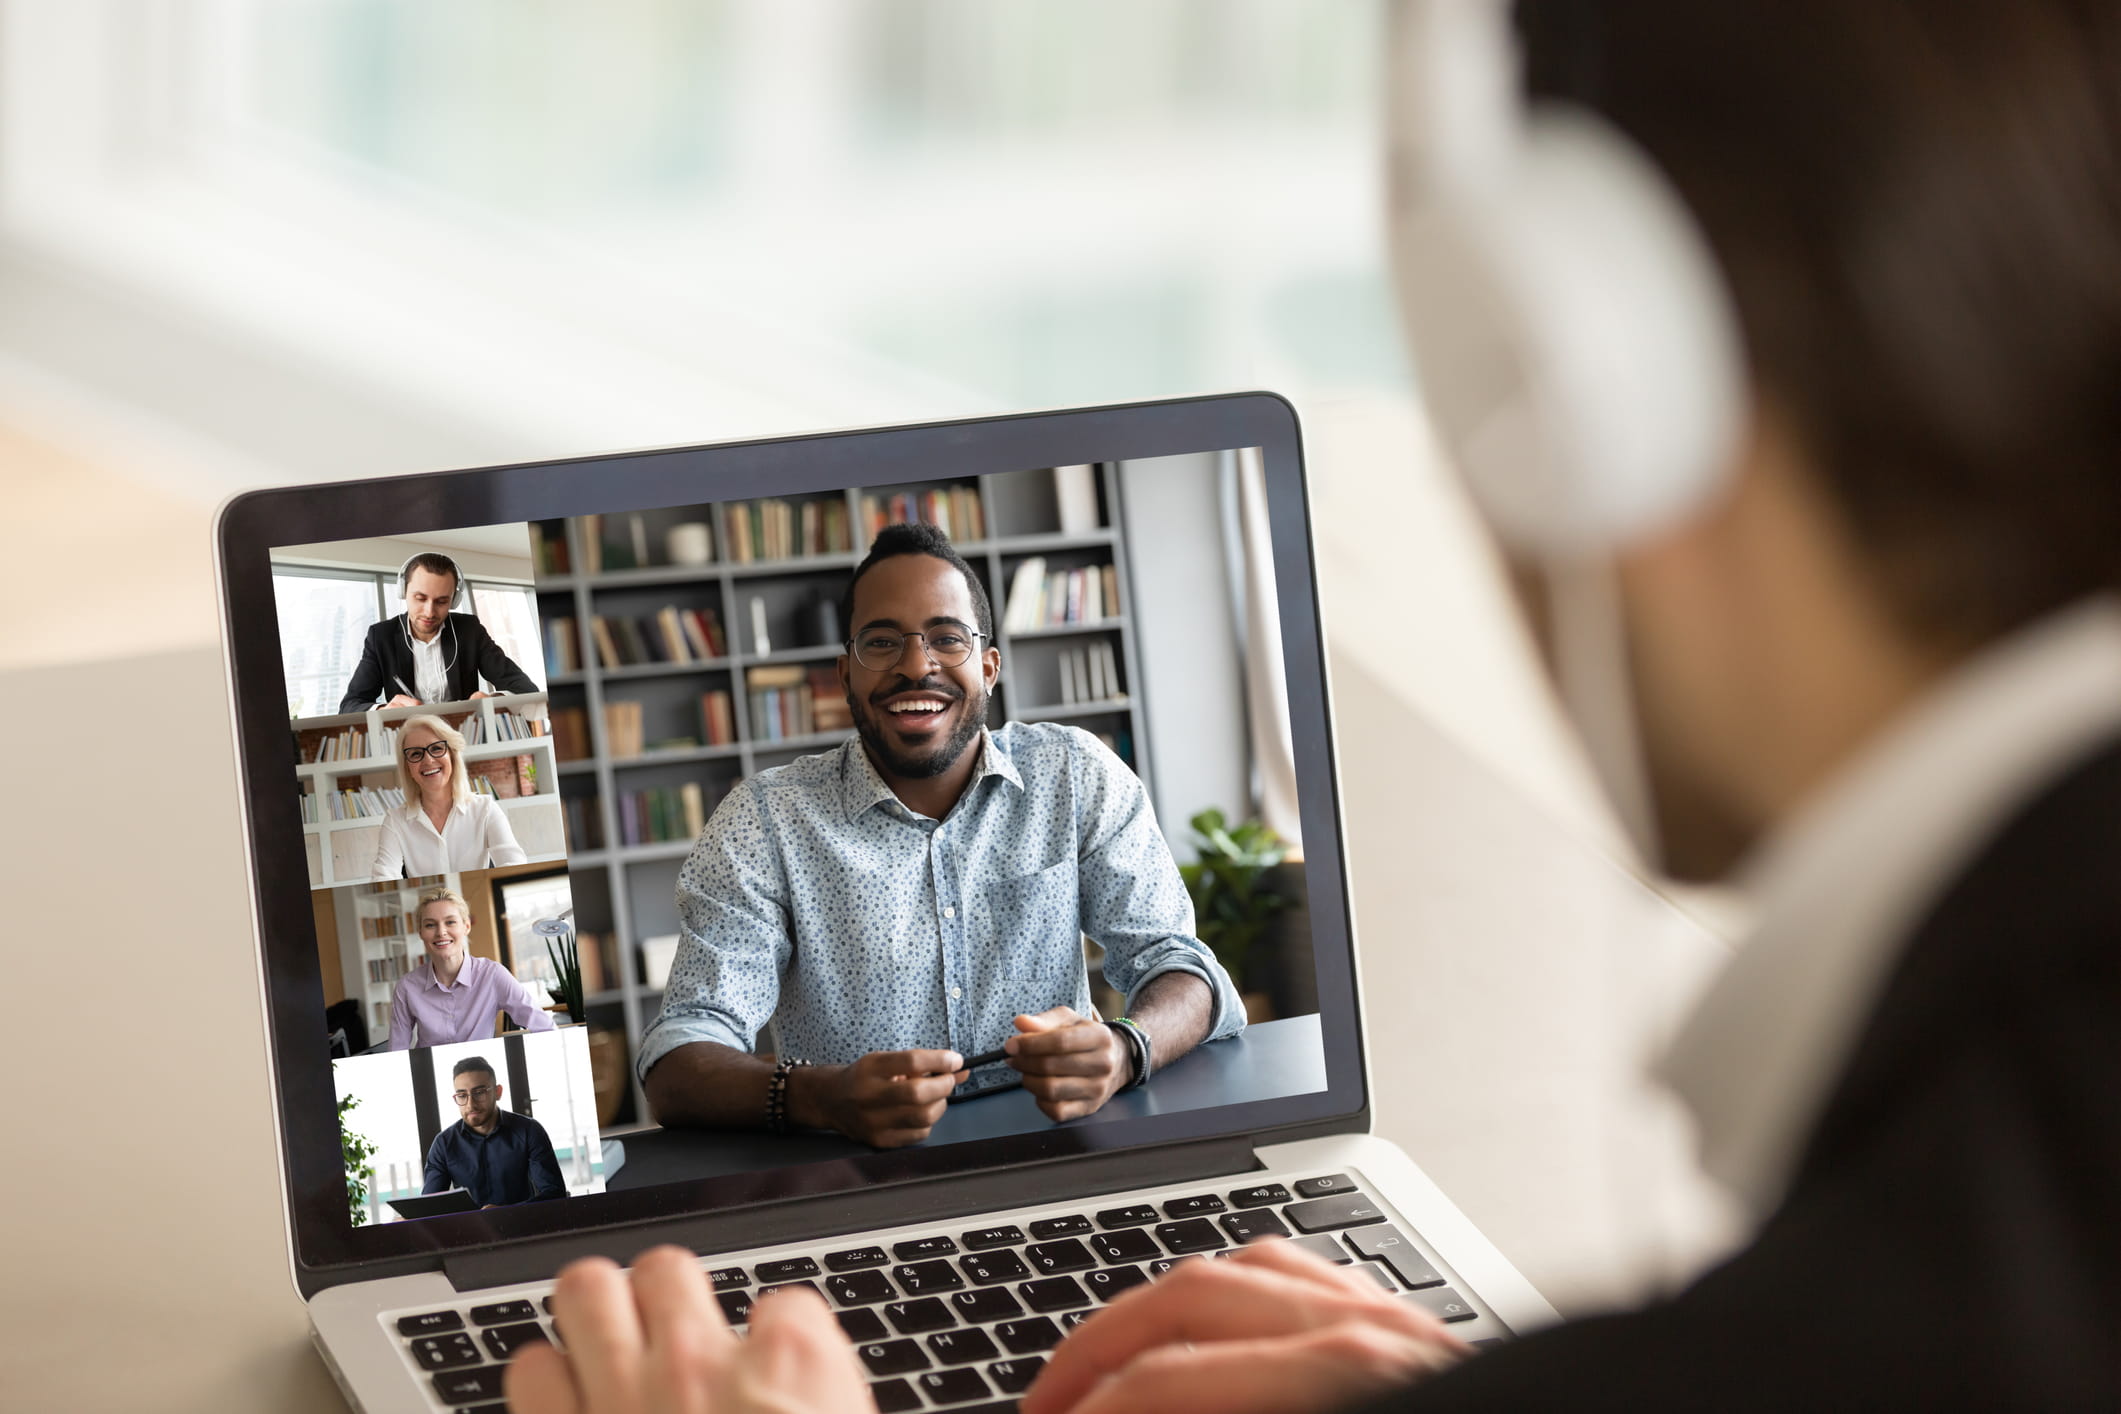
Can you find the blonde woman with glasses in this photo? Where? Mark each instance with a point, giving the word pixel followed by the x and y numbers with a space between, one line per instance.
pixel 443 825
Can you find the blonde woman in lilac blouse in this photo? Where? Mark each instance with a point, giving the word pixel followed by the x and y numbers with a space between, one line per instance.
pixel 452 996
pixel 443 825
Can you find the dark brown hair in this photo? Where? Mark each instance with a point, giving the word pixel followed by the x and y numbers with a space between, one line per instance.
pixel 1917 204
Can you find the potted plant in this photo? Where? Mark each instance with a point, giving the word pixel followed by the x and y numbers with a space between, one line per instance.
pixel 564 951
pixel 1233 900
pixel 357 1150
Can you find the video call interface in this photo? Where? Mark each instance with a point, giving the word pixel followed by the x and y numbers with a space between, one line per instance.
pixel 585 797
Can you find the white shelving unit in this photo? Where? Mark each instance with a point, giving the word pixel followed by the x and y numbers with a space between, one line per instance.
pixel 340 851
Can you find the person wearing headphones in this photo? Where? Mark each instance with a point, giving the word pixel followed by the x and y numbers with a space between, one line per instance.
pixel 430 653
pixel 1780 346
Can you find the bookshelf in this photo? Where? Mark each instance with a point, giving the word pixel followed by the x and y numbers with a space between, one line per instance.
pixel 379 943
pixel 632 736
pixel 353 752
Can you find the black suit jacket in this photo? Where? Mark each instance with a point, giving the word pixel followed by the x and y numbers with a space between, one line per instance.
pixel 1952 1236
pixel 386 660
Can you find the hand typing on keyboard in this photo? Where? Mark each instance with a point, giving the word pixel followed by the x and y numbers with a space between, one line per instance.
pixel 659 1344
pixel 1267 1328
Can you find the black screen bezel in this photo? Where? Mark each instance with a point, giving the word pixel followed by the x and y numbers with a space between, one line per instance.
pixel 251 525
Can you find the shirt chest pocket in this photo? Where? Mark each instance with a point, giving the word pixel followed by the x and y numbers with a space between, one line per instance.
pixel 1041 906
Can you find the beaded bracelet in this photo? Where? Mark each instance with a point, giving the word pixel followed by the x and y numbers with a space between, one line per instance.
pixel 777 1094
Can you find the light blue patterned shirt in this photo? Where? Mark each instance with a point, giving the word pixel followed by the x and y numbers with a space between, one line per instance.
pixel 816 900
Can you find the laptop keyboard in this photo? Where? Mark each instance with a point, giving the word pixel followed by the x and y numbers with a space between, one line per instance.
pixel 962 1317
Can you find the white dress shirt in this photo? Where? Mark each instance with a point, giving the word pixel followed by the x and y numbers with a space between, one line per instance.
pixel 476 836
pixel 1842 884
pixel 430 670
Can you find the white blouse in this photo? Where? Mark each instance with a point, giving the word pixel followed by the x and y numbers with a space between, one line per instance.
pixel 476 836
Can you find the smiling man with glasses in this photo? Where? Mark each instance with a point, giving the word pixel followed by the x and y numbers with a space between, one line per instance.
pixel 919 896
pixel 499 1158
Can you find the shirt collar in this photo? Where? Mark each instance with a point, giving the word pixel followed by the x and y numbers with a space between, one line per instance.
pixel 861 787
pixel 1839 886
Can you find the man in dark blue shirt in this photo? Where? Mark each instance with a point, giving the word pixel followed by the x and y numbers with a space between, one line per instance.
pixel 497 1157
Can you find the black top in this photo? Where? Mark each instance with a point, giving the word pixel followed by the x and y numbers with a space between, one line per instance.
pixel 1952 1236
pixel 468 652
pixel 514 1164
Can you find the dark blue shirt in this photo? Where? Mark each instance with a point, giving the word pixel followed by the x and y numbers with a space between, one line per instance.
pixel 514 1164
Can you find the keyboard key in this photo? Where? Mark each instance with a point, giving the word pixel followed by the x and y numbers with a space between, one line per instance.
pixel 724 1278
pixel 962 1347
pixel 430 1323
pixel 1444 1303
pixel 1110 1282
pixel 1015 1376
pixel 987 1268
pixel 1164 1264
pixel 1250 1227
pixel 894 1396
pixel 503 1311
pixel 1259 1197
pixel 484 1409
pixel 893 1357
pixel 505 1341
pixel 862 1325
pixel 1389 1245
pixel 1193 1207
pixel 1377 1274
pixel 787 1269
pixel 736 1305
pixel 769 1290
pixel 856 1257
pixel 1046 1229
pixel 1052 1294
pixel 1135 1216
pixel 913 1317
pixel 1322 1214
pixel 920 1249
pixel 1066 1255
pixel 445 1352
pixel 859 1288
pixel 981 1240
pixel 1070 1320
pixel 953 1386
pixel 464 1386
pixel 924 1277
pixel 1322 1187
pixel 1026 1337
pixel 979 1307
pixel 1127 1245
pixel 1192 1235
pixel 1324 1245
pixel 547 1304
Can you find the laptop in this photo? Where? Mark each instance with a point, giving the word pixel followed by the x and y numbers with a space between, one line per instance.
pixel 604 647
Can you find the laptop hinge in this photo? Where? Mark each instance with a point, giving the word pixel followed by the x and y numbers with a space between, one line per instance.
pixel 884 1206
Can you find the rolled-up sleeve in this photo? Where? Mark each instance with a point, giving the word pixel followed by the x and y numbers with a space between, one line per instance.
pixel 725 981
pixel 1134 904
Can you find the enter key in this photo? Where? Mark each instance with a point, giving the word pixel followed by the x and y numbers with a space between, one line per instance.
pixel 1384 1243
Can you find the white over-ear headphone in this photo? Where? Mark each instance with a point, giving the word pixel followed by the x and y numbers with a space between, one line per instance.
pixel 1574 341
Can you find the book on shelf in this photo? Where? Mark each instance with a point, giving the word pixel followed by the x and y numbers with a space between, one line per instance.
pixel 549 547
pixel 1086 594
pixel 584 822
pixel 672 634
pixel 363 804
pixel 505 777
pixel 794 699
pixel 1075 494
pixel 563 645
pixel 317 746
pixel 507 726
pixel 954 510
pixel 717 719
pixel 662 814
pixel 657 954
pixel 622 728
pixel 590 530
pixel 570 733
pixel 1089 672
pixel 776 529
pixel 596 976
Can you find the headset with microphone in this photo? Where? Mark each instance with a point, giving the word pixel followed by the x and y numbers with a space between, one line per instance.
pixel 426 560
pixel 1574 342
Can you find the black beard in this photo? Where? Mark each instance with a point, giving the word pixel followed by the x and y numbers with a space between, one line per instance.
pixel 931 761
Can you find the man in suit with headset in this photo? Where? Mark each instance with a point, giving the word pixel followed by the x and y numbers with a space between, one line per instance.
pixel 430 653
pixel 1786 366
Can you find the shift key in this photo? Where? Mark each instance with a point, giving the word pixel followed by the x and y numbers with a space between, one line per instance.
pixel 1325 1214
pixel 1387 1244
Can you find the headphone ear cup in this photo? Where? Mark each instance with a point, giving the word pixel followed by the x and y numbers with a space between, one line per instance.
pixel 1572 340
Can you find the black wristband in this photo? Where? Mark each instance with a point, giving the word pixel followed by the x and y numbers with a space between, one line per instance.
pixel 777 1094
pixel 1137 1051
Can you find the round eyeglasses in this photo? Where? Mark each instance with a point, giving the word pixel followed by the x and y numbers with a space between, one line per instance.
pixel 880 648
pixel 437 750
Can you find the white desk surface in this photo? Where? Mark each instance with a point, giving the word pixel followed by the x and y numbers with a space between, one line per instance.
pixel 1512 973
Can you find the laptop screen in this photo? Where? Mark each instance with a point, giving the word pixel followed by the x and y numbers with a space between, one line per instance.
pixel 881 753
